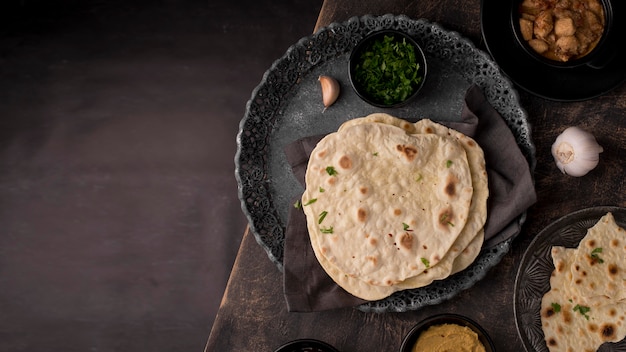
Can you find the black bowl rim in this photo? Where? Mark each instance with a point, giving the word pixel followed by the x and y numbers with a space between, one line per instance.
pixel 369 37
pixel 300 343
pixel 587 59
pixel 449 318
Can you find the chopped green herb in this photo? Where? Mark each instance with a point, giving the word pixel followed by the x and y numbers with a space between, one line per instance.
pixel 322 190
pixel 426 262
pixel 556 307
pixel 297 204
pixel 444 219
pixel 406 227
pixel 582 310
pixel 388 70
pixel 595 256
pixel 419 178
pixel 311 201
pixel 331 171
pixel 448 163
pixel 322 216
pixel 326 229
pixel 375 154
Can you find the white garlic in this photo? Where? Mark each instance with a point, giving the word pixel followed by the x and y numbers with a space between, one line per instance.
pixel 330 90
pixel 576 151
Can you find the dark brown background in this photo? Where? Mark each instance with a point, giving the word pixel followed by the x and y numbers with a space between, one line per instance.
pixel 119 217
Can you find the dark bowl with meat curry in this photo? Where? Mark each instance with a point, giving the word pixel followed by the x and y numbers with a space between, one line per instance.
pixel 564 33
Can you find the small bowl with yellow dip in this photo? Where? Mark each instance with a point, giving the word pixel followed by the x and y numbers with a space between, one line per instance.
pixel 447 332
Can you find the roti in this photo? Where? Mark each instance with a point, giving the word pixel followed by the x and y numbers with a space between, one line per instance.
pixel 599 267
pixel 461 254
pixel 571 319
pixel 383 206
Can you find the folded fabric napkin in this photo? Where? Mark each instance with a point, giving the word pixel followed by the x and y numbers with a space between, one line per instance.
pixel 307 287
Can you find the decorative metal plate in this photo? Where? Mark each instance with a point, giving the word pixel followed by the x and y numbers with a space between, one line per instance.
pixel 533 276
pixel 287 106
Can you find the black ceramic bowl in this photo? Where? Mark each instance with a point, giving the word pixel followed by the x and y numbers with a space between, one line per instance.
pixel 356 63
pixel 598 57
pixel 306 345
pixel 411 338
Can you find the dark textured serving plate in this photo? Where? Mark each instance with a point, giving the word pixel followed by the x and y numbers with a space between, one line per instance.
pixel 287 106
pixel 533 276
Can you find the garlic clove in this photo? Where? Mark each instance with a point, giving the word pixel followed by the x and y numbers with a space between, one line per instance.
pixel 576 151
pixel 330 90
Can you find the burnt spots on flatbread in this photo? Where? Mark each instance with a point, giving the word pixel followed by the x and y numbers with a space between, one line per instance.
pixel 406 240
pixel 450 186
pixel 608 332
pixel 613 270
pixel 552 342
pixel 361 215
pixel 345 162
pixel 560 266
pixel 445 218
pixel 548 312
pixel 407 151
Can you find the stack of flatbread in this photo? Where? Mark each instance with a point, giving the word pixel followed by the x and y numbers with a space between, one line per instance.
pixel 393 205
pixel 586 304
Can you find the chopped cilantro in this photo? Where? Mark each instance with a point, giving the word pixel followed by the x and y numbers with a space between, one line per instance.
pixel 448 163
pixel 556 307
pixel 322 216
pixel 326 229
pixel 444 219
pixel 419 178
pixel 322 190
pixel 582 310
pixel 426 262
pixel 297 204
pixel 595 256
pixel 331 171
pixel 311 201
pixel 388 70
pixel 406 227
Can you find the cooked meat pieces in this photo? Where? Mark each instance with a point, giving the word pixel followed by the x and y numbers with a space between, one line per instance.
pixel 544 24
pixel 526 27
pixel 539 45
pixel 564 27
pixel 561 29
pixel 567 47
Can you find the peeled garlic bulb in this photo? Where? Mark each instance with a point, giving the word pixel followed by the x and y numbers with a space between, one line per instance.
pixel 576 151
pixel 330 90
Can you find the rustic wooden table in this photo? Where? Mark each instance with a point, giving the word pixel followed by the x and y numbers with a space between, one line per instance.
pixel 253 314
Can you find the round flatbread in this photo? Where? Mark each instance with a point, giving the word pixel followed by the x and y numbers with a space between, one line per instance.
pixel 599 268
pixel 572 322
pixel 461 254
pixel 383 206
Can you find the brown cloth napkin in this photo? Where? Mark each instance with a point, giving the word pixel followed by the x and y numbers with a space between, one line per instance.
pixel 307 287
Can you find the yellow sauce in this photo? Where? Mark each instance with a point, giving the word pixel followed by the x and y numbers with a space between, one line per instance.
pixel 448 338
